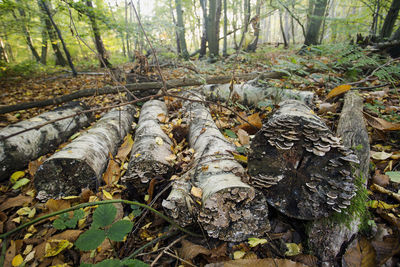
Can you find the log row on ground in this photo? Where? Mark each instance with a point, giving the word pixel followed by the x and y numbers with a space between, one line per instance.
pixel 230 209
pixel 17 151
pixel 81 163
pixel 301 166
pixel 139 89
pixel 151 149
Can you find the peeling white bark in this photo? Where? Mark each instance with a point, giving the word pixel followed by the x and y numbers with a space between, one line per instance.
pixel 151 149
pixel 81 163
pixel 17 151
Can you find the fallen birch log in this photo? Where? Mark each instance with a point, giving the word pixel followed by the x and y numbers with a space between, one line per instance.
pixel 251 94
pixel 326 242
pixel 151 152
pixel 18 150
pixel 81 163
pixel 137 87
pixel 300 165
pixel 231 209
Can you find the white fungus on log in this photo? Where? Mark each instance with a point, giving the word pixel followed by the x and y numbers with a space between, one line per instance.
pixel 301 166
pixel 81 163
pixel 18 150
pixel 151 152
pixel 231 209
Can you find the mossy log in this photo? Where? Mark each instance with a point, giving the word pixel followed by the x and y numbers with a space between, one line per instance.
pixel 151 152
pixel 81 163
pixel 231 209
pixel 301 166
pixel 251 93
pixel 326 237
pixel 18 150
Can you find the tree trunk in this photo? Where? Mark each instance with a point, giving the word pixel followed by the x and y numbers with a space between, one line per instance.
pixel 256 26
pixel 127 38
pixel 151 154
pixel 285 42
pixel 212 37
pixel 375 17
pixel 178 43
pixel 326 242
pixel 43 55
pixel 3 52
pixel 81 163
pixel 66 51
pixel 315 22
pixel 17 151
pixel 390 19
pixel 302 168
pixel 231 210
pixel 97 37
pixel 25 30
pixel 396 35
pixel 181 29
pixel 203 43
pixel 246 21
pixel 225 46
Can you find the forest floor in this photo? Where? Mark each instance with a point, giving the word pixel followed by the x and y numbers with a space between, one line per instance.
pixel 320 71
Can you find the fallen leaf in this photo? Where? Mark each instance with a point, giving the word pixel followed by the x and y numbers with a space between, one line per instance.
pixel 17 260
pixel 360 254
pixel 196 192
pixel 338 90
pixel 239 254
pixel 56 246
pixel 162 118
pixel 70 235
pixel 57 204
pixel 386 248
pixel 257 263
pixel 16 176
pixel 189 250
pixel 159 141
pixel 107 195
pixel 327 107
pixel 125 148
pixel 253 242
pixel 380 155
pixel 293 249
pixel 15 202
pixel 252 125
pixel 112 173
pixel 380 179
pixel 34 165
pixel 381 204
pixel 243 137
pixel 20 183
pixel 381 124
pixel 394 176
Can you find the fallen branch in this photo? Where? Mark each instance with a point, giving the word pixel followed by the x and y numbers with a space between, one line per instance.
pixel 134 87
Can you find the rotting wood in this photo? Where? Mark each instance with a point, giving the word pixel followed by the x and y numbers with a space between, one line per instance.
pixel 148 87
pixel 231 210
pixel 81 163
pixel 17 151
pixel 326 242
pixel 251 93
pixel 300 165
pixel 151 152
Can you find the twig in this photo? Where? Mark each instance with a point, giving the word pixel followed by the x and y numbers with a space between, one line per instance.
pixel 182 260
pixel 166 248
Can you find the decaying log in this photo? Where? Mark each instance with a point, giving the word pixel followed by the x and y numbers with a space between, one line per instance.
pixel 81 163
pixel 17 151
pixel 231 209
pixel 326 242
pixel 250 93
pixel 136 88
pixel 151 152
pixel 302 168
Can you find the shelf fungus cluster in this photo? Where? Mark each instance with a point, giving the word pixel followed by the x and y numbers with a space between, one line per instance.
pixel 300 165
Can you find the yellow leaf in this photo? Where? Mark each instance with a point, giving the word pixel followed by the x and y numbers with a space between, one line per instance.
pixel 240 158
pixel 23 211
pixel 60 245
pixel 16 176
pixel 380 204
pixel 293 249
pixel 17 260
pixel 253 242
pixel 107 195
pixel 338 90
pixel 125 148
pixel 238 254
pixel 159 141
pixel 196 192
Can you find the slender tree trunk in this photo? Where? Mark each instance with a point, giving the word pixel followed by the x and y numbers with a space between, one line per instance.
pixel 292 23
pixel 256 26
pixel 71 65
pixel 97 37
pixel 321 37
pixel 246 21
pixel 120 32
pixel 396 34
pixel 315 22
pixel 285 42
pixel 234 23
pixel 43 55
pixel 52 34
pixel 390 19
pixel 203 44
pixel 127 36
pixel 225 47
pixel 375 17
pixel 212 29
pixel 3 52
pixel 178 43
pixel 181 29
pixel 25 30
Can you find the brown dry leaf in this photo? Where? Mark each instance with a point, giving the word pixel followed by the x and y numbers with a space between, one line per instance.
pixel 380 179
pixel 257 263
pixel 70 235
pixel 254 126
pixel 196 192
pixel 189 250
pixel 381 124
pixel 10 253
pixel 3 219
pixel 385 249
pixel 327 107
pixel 162 118
pixel 243 137
pixel 360 254
pixel 338 90
pixel 56 205
pixel 308 260
pixel 34 165
pixel 219 253
pixel 17 201
pixel 113 172
pixel 125 148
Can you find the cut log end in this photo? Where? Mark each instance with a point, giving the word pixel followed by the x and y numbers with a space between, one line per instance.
pixel 71 176
pixel 302 168
pixel 235 214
